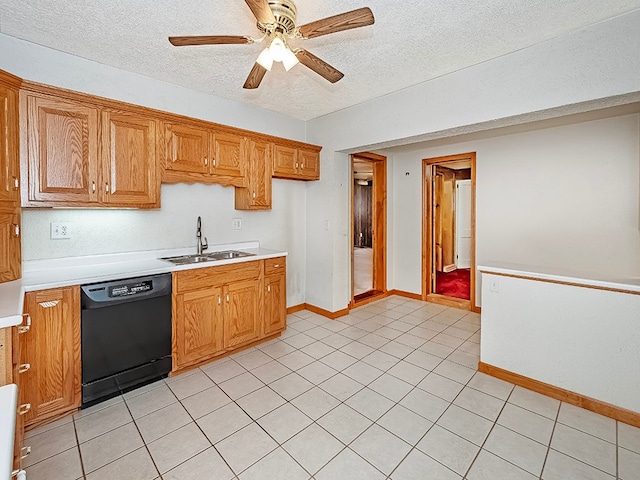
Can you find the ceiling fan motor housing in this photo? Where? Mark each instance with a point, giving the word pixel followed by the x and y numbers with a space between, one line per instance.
pixel 285 12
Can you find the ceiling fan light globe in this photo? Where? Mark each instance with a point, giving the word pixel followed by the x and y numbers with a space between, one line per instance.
pixel 289 60
pixel 277 49
pixel 265 59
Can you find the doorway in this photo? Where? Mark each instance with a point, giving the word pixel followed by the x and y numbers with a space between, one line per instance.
pixel 448 272
pixel 368 227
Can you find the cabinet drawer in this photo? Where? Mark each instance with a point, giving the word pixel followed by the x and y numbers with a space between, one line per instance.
pixel 203 277
pixel 275 265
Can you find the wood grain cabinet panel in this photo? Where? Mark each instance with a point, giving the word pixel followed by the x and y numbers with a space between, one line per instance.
pixel 295 163
pixel 186 148
pixel 275 295
pixel 198 325
pixel 257 195
pixel 9 145
pixel 229 156
pixel 68 166
pixel 52 385
pixel 10 243
pixel 62 151
pixel 241 313
pixel 129 160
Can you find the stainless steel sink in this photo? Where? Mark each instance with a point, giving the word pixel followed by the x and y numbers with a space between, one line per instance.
pixel 206 257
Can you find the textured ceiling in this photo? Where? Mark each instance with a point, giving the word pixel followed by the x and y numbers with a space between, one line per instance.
pixel 411 42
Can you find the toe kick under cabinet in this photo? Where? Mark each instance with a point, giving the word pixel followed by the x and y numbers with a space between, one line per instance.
pixel 218 309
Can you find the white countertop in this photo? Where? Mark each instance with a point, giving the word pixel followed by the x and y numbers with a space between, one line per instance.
pixel 62 272
pixel 588 279
pixel 8 407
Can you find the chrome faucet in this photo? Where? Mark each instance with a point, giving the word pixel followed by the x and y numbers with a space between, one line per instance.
pixel 200 246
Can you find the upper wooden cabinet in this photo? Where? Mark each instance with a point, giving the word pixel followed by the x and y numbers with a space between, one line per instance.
pixel 257 196
pixel 194 153
pixel 66 165
pixel 9 140
pixel 296 163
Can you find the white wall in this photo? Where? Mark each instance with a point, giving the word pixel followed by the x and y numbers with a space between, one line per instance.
pixel 566 336
pixel 566 197
pixel 108 231
pixel 595 65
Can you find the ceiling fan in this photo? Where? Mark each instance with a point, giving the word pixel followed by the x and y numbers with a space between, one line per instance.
pixel 277 21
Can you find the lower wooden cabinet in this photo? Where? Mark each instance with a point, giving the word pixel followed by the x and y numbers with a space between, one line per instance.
pixel 215 309
pixel 275 295
pixel 218 309
pixel 51 348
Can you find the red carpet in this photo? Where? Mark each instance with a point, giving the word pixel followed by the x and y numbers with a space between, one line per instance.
pixel 454 284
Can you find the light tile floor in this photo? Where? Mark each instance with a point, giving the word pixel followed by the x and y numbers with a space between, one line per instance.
pixel 390 391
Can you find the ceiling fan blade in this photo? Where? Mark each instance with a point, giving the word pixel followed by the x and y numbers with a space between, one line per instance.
pixel 209 40
pixel 321 67
pixel 344 21
pixel 255 76
pixel 261 10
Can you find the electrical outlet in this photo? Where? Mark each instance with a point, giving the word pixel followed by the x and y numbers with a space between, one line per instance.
pixel 236 224
pixel 60 230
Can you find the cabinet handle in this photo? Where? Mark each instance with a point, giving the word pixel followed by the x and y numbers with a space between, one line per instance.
pixel 24 367
pixel 296 164
pixel 276 265
pixel 25 451
pixel 227 297
pixel 25 328
pixel 16 183
pixel 269 288
pixel 93 186
pixel 219 300
pixel 254 194
pixel 302 165
pixel 206 161
pixel 19 474
pixel 214 162
pixel 16 230
pixel 24 408
pixel 106 187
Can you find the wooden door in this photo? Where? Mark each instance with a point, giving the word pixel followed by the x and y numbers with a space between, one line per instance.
pixel 9 146
pixel 186 148
pixel 285 161
pixel 257 196
pixel 463 223
pixel 52 347
pixel 241 312
pixel 129 161
pixel 10 243
pixel 62 150
pixel 229 158
pixel 309 164
pixel 198 325
pixel 275 309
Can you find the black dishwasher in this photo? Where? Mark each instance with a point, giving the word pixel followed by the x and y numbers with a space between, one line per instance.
pixel 126 335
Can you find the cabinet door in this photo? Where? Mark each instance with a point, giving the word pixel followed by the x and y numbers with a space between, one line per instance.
pixel 275 310
pixel 10 254
pixel 187 148
pixel 129 161
pixel 198 326
pixel 62 151
pixel 9 163
pixel 309 164
pixel 241 312
pixel 257 196
pixel 229 158
pixel 52 347
pixel 285 162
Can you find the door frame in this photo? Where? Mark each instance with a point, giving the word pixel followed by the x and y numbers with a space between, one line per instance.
pixel 427 232
pixel 378 226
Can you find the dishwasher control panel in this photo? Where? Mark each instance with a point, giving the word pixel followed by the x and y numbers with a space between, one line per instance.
pixel 130 289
